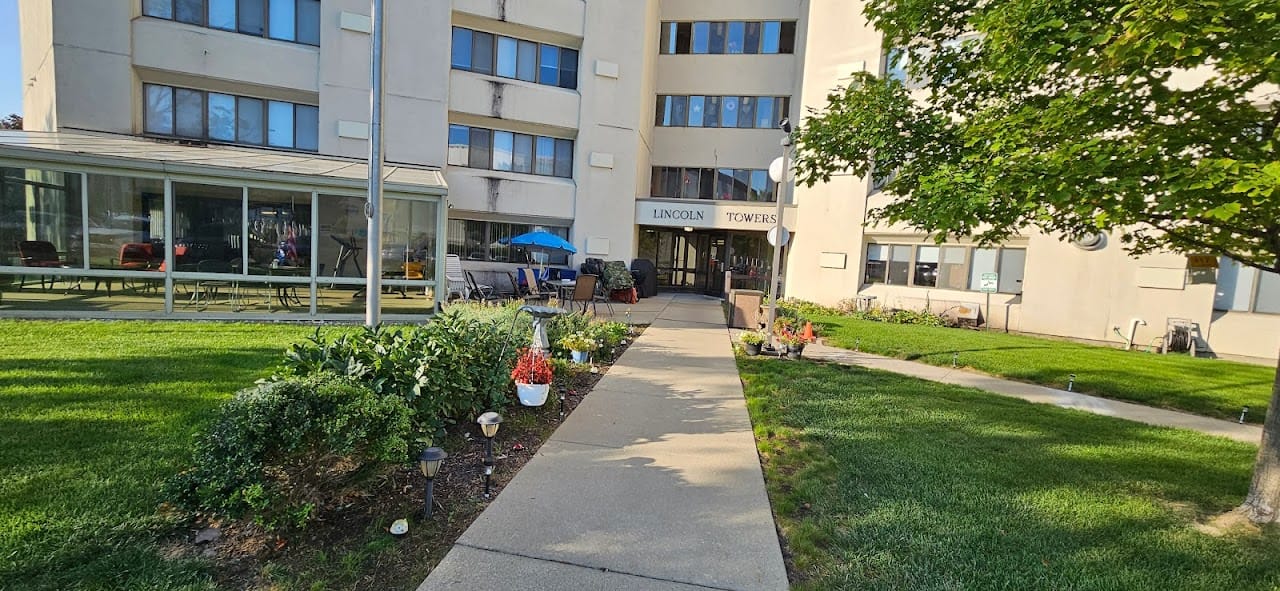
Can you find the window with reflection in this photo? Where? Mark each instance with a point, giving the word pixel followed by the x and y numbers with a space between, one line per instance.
pixel 41 222
pixel 188 113
pixel 279 232
pixel 409 239
pixel 729 184
pixel 760 112
pixel 733 37
pixel 286 20
pixel 476 147
pixel 489 241
pixel 207 222
pixel 518 59
pixel 343 236
pixel 126 223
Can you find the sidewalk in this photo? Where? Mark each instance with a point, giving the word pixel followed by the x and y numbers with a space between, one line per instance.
pixel 1039 394
pixel 652 483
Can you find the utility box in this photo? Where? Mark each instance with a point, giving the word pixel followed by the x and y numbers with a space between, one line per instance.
pixel 744 308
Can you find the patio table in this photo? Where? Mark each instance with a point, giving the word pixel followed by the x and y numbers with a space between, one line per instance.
pixel 564 290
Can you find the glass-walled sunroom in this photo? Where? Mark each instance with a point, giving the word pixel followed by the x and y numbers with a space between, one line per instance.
pixel 96 242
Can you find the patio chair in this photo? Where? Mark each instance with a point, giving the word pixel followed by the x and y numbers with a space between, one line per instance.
pixel 531 282
pixel 454 277
pixel 478 292
pixel 601 294
pixel 520 293
pixel 584 292
pixel 41 254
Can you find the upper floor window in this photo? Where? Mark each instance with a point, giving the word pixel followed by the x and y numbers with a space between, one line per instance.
pixel 1246 289
pixel 728 37
pixel 730 184
pixel 197 114
pixel 287 20
pixel 944 266
pixel 508 57
pixel 759 112
pixel 476 147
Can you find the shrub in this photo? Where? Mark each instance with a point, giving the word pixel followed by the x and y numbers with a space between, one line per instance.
pixel 278 450
pixel 451 368
pixel 610 336
pixel 532 367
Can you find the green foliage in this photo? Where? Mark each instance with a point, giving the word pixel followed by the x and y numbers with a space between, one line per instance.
pixel 454 367
pixel 1071 117
pixel 880 482
pixel 280 448
pixel 752 337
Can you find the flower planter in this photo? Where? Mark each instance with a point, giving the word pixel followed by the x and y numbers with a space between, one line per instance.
pixel 579 356
pixel 532 394
pixel 752 349
pixel 794 351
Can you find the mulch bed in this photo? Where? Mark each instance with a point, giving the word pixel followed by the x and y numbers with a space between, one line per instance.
pixel 347 545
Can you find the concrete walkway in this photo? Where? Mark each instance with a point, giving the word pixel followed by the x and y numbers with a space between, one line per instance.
pixel 652 483
pixel 1039 394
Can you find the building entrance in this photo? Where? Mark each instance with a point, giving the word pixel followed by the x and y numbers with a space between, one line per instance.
pixel 696 260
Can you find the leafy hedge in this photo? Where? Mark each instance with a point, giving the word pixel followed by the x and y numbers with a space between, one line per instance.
pixel 280 448
pixel 451 368
pixel 847 308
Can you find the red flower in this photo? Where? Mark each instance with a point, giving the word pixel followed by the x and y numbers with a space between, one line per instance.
pixel 532 367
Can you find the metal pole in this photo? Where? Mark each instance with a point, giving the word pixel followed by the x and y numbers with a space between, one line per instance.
pixel 427 500
pixel 777 248
pixel 373 207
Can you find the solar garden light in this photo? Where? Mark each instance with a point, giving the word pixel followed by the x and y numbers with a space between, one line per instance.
pixel 1071 382
pixel 954 358
pixel 489 423
pixel 1242 414
pixel 857 343
pixel 429 462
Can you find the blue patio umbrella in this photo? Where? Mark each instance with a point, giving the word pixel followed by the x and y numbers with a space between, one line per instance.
pixel 543 241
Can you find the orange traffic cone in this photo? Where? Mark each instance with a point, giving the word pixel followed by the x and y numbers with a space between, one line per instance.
pixel 808 332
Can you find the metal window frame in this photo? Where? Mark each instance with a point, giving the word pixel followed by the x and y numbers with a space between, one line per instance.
pixel 204 123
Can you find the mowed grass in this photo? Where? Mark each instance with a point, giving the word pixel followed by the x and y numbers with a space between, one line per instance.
pixel 881 481
pixel 93 417
pixel 1208 387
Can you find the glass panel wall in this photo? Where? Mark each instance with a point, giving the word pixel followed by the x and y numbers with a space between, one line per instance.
pixel 41 223
pixel 207 223
pixel 344 236
pixel 126 223
pixel 279 232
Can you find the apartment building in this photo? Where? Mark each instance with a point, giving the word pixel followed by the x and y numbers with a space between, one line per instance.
pixel 635 129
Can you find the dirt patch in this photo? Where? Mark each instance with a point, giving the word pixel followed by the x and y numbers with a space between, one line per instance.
pixel 1233 522
pixel 347 545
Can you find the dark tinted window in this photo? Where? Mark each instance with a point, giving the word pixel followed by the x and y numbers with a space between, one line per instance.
pixel 482 52
pixel 307 127
pixel 309 22
pixel 684 37
pixel 480 147
pixel 717 38
pixel 787 39
pixel 251 16
pixel 568 68
pixel 189 11
pixel 564 158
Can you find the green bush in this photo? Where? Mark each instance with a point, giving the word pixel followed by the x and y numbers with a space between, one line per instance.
pixel 451 368
pixel 279 449
pixel 800 309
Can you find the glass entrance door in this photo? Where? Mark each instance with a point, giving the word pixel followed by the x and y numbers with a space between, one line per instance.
pixel 692 260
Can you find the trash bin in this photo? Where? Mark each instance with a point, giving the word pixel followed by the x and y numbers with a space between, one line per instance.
pixel 647 282
pixel 744 308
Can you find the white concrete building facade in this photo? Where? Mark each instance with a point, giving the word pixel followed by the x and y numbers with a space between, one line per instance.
pixel 635 129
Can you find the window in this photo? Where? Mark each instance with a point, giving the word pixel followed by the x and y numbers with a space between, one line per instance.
pixel 744 112
pixel 460 54
pixel 459 139
pixel 506 57
pixel 733 37
pixel 518 59
pixel 474 240
pixel 1246 289
pixel 287 20
pixel 926 268
pixel 730 184
pixel 944 267
pixel 877 263
pixel 43 205
pixel 188 113
pixel 475 147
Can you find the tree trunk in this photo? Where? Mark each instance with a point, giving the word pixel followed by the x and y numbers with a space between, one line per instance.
pixel 1263 503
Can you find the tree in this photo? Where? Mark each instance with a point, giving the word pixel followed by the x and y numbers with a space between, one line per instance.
pixel 1154 118
pixel 13 121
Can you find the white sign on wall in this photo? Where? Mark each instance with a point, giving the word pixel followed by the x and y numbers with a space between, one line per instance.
pixel 718 215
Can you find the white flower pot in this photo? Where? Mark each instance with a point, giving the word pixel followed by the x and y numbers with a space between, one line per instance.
pixel 532 394
pixel 579 356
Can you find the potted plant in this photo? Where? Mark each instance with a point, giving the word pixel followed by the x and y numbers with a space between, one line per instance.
pixel 786 325
pixel 580 346
pixel 751 341
pixel 532 376
pixel 794 344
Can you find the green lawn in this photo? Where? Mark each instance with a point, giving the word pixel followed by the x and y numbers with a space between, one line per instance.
pixel 93 417
pixel 886 482
pixel 1209 387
